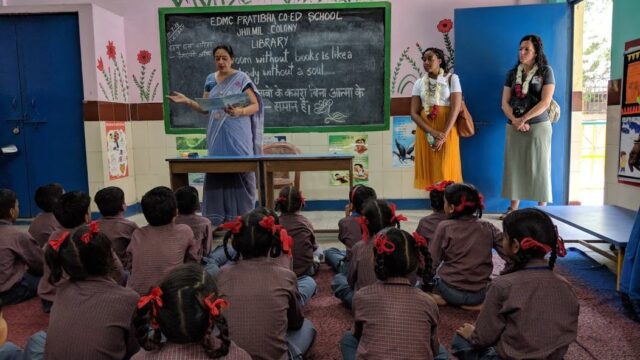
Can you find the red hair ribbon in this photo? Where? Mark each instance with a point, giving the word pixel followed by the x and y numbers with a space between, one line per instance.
pixel 269 223
pixel 439 186
pixel 234 226
pixel 463 204
pixel 560 249
pixel 55 243
pixel 94 228
pixel 395 219
pixel 353 192
pixel 154 297
pixel 481 197
pixel 421 241
pixel 363 227
pixel 281 199
pixel 383 245
pixel 214 306
pixel 531 243
pixel 287 242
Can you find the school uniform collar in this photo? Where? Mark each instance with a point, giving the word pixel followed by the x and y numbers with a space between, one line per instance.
pixel 5 222
pixel 119 216
pixel 397 281
pixel 355 214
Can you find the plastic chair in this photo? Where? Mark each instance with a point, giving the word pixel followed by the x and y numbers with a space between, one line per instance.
pixel 282 179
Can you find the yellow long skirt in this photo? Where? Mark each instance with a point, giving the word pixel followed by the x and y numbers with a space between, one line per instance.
pixel 433 166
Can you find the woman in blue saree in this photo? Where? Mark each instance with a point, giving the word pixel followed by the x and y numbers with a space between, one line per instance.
pixel 234 131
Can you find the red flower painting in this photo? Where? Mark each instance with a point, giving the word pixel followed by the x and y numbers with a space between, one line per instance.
pixel 100 64
pixel 111 50
pixel 144 57
pixel 445 25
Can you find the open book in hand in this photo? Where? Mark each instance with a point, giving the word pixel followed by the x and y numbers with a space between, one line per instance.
pixel 222 102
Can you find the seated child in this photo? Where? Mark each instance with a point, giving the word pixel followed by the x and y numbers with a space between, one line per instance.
pixel 376 215
pixel 92 316
pixel 113 224
pixel 162 245
pixel 428 224
pixel 20 256
pixel 392 317
pixel 461 249
pixel 349 228
pixel 186 309
pixel 45 223
pixel 265 317
pixel 531 312
pixel 290 201
pixel 71 211
pixel 188 203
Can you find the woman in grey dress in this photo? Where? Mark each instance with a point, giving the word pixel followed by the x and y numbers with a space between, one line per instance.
pixel 526 96
pixel 232 132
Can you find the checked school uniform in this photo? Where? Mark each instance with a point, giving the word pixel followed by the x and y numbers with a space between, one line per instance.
pixel 42 226
pixel 427 225
pixel 201 227
pixel 304 242
pixel 349 233
pixel 190 351
pixel 119 231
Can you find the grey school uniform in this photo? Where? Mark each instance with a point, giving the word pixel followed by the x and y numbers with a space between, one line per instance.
pixel 191 351
pixel 156 250
pixel 47 291
pixel 349 233
pixel 304 241
pixel 428 224
pixel 398 321
pixel 463 246
pixel 18 253
pixel 528 314
pixel 201 227
pixel 92 319
pixel 263 305
pixel 42 226
pixel 119 231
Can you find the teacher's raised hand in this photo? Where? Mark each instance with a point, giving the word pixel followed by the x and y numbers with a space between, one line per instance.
pixel 179 98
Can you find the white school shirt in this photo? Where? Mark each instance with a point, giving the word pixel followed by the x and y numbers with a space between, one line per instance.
pixel 445 92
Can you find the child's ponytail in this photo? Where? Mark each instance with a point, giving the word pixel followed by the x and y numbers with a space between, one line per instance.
pixel 52 257
pixel 424 261
pixel 233 228
pixel 290 200
pixel 147 317
pixel 465 199
pixel 213 304
pixel 257 234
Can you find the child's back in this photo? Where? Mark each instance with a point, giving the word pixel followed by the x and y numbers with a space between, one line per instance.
pixel 263 295
pixel 113 224
pixel 361 273
pixel 536 311
pixel 304 241
pixel 427 225
pixel 45 223
pixel 188 203
pixel 156 250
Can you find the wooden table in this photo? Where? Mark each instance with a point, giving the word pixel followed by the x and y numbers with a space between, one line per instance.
pixel 608 223
pixel 303 162
pixel 263 165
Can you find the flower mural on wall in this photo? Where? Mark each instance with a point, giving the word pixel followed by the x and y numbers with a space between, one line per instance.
pixel 116 77
pixel 144 85
pixel 401 84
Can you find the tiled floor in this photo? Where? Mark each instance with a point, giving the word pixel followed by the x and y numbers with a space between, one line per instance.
pixel 326 225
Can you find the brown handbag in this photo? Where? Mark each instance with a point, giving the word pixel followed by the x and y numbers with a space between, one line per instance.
pixel 464 122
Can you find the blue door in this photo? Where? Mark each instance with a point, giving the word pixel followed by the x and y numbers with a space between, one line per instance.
pixel 49 119
pixel 486 47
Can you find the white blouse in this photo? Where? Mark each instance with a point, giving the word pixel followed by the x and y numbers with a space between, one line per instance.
pixel 445 92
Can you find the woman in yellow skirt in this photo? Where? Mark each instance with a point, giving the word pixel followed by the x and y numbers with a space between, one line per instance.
pixel 435 104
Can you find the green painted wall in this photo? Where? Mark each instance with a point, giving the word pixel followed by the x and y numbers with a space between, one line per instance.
pixel 626 27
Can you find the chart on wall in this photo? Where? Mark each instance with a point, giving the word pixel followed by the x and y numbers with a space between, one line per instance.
pixel 629 151
pixel 318 67
pixel 117 157
pixel 404 142
pixel 356 145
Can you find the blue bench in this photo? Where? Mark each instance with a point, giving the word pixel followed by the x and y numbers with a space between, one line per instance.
pixel 607 223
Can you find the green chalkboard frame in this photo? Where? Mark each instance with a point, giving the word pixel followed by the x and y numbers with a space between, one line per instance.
pixel 256 8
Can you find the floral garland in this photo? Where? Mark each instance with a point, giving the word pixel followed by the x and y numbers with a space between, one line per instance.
pixel 522 89
pixel 427 95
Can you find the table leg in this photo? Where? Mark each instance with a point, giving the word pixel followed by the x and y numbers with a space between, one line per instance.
pixel 269 189
pixel 620 259
pixel 179 180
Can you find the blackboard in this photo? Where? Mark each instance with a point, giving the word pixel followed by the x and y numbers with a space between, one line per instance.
pixel 319 67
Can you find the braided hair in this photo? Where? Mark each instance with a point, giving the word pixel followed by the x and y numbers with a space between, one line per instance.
pixel 185 308
pixel 290 200
pixel 379 215
pixel 465 199
pixel 256 234
pixel 85 253
pixel 398 253
pixel 532 224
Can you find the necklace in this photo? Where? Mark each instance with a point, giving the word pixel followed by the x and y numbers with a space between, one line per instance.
pixel 522 89
pixel 431 95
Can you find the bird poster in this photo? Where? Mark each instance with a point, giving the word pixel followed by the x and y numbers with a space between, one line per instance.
pixel 358 145
pixel 403 142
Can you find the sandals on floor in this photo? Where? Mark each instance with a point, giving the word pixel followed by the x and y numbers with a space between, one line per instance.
pixel 504 215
